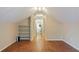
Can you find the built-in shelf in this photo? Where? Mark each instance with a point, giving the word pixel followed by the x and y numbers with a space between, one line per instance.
pixel 24 31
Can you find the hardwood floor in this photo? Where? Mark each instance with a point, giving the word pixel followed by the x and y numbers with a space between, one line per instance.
pixel 47 46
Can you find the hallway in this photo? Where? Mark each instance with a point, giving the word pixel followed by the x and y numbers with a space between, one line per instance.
pixel 55 25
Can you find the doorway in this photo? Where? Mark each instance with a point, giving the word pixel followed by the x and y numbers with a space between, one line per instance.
pixel 39 28
pixel 39 25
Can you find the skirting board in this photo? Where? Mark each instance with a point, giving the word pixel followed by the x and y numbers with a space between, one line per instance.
pixel 71 45
pixel 8 45
pixel 54 39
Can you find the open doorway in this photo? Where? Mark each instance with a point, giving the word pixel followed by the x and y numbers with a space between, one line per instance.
pixel 39 27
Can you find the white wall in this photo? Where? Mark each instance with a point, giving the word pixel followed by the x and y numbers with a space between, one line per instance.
pixel 68 32
pixel 53 29
pixel 71 34
pixel 7 35
pixel 23 22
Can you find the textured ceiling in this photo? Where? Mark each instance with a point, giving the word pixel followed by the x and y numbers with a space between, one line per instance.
pixel 62 14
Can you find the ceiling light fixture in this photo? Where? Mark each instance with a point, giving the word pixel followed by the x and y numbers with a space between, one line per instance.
pixel 40 9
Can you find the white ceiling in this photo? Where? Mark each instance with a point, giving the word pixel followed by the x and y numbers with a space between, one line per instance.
pixel 65 14
pixel 14 14
pixel 62 14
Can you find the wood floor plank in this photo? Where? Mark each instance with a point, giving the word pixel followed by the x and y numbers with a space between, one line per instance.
pixel 47 46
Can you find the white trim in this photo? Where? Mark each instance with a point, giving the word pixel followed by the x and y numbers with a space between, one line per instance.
pixel 54 39
pixel 8 45
pixel 71 45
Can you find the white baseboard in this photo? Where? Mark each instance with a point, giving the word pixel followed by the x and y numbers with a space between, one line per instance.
pixel 54 39
pixel 8 45
pixel 71 45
